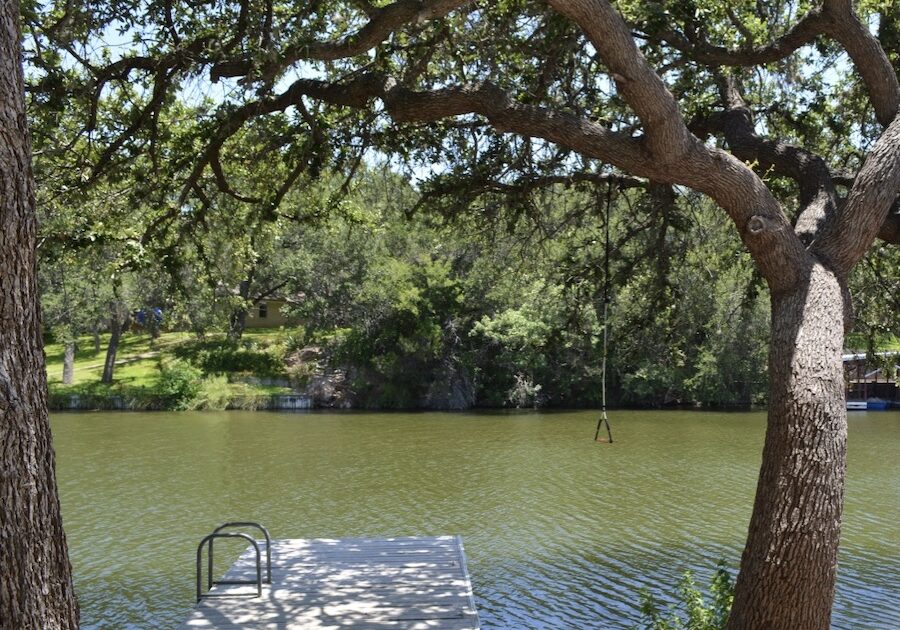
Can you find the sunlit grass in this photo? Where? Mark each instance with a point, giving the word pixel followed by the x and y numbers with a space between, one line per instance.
pixel 887 343
pixel 138 359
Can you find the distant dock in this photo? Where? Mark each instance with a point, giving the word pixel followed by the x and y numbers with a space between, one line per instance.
pixel 414 583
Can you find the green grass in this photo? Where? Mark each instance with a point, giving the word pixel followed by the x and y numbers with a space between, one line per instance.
pixel 133 371
pixel 857 342
pixel 137 361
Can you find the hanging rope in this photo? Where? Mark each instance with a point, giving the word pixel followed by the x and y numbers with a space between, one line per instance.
pixel 604 419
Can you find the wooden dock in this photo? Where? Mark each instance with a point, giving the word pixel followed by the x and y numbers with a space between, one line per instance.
pixel 415 583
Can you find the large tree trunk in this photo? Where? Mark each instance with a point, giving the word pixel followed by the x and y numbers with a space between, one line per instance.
pixel 35 576
pixel 789 565
pixel 68 363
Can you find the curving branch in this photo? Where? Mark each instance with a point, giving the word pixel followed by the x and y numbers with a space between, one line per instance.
pixel 640 86
pixel 382 22
pixel 869 58
pixel 866 211
pixel 818 195
pixel 222 184
pixel 121 68
pixel 680 157
pixel 756 213
pixel 813 24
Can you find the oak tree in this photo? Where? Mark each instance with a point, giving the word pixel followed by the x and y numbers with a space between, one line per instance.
pixel 783 113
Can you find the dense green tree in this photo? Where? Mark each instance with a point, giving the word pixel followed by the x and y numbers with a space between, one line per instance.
pixel 521 90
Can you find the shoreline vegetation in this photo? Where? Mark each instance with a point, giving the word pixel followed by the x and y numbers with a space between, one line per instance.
pixel 268 369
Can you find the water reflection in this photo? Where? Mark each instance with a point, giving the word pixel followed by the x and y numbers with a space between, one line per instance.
pixel 560 532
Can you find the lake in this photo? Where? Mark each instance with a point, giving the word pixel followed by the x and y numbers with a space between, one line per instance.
pixel 560 532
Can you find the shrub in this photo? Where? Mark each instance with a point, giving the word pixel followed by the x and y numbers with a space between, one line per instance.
pixel 214 393
pixel 691 612
pixel 179 383
pixel 524 393
pixel 219 357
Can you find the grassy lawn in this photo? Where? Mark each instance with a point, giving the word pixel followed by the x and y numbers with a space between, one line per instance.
pixel 858 343
pixel 133 369
pixel 137 361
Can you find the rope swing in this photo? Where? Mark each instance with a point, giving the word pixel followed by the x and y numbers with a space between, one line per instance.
pixel 604 419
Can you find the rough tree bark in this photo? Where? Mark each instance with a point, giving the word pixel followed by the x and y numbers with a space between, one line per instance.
pixel 68 363
pixel 35 576
pixel 789 564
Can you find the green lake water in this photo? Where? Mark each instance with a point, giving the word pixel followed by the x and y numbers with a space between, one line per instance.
pixel 560 532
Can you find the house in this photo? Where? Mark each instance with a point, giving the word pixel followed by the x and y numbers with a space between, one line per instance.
pixel 268 314
pixel 866 381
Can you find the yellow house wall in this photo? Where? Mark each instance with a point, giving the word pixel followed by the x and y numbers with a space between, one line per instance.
pixel 273 319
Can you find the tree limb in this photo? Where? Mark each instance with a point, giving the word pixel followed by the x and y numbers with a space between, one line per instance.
pixel 641 87
pixel 865 213
pixel 382 22
pixel 869 58
pixel 810 26
pixel 818 196
pixel 680 157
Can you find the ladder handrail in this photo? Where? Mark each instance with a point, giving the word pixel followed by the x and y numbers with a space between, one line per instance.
pixel 208 540
pixel 247 524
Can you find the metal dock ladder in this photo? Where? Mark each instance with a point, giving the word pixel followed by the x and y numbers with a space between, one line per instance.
pixel 219 533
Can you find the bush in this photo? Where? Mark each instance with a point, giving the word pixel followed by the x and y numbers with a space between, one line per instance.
pixel 691 612
pixel 214 393
pixel 220 357
pixel 179 383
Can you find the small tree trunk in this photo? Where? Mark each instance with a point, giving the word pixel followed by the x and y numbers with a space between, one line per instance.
pixel 68 363
pixel 96 332
pixel 35 575
pixel 115 332
pixel 789 565
pixel 236 324
pixel 238 319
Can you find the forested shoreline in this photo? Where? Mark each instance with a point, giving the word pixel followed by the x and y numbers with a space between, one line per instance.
pixel 386 307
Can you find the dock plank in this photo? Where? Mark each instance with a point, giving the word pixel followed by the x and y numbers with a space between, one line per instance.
pixel 410 583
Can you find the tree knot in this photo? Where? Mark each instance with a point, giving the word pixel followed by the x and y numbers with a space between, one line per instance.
pixel 760 223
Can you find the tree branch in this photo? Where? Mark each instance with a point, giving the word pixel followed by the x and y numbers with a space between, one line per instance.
pixel 679 157
pixel 641 87
pixel 869 58
pixel 382 22
pixel 865 213
pixel 810 26
pixel 818 196
pixel 215 163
